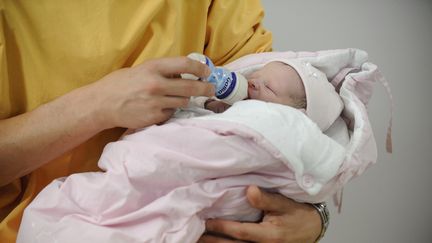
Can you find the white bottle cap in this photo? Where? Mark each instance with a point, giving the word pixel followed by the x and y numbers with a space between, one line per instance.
pixel 197 57
pixel 240 91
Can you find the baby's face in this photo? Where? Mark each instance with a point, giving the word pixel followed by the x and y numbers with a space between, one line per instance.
pixel 276 82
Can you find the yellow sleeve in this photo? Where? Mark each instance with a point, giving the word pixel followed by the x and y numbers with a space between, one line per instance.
pixel 235 29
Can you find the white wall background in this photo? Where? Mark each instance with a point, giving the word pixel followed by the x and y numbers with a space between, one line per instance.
pixel 392 201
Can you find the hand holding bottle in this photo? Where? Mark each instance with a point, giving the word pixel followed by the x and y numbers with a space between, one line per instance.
pixel 230 86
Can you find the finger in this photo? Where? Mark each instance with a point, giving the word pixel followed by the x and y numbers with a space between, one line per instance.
pixel 168 112
pixel 241 231
pixel 188 88
pixel 171 102
pixel 161 116
pixel 215 239
pixel 178 65
pixel 267 201
pixel 164 115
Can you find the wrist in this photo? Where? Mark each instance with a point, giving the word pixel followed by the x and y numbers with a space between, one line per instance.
pixel 322 210
pixel 87 110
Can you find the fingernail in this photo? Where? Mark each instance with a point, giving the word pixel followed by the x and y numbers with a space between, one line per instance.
pixel 208 71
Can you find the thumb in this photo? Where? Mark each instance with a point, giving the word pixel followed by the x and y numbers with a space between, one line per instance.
pixel 267 201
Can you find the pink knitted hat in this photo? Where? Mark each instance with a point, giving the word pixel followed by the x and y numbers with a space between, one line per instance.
pixel 323 103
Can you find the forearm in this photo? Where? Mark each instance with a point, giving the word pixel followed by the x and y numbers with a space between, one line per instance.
pixel 30 140
pixel 132 97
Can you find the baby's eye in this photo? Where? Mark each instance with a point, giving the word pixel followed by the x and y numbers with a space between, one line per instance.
pixel 269 88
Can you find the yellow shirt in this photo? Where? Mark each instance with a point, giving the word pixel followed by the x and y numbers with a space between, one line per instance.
pixel 50 47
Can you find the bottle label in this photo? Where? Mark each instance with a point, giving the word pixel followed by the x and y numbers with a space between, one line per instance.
pixel 224 80
pixel 226 87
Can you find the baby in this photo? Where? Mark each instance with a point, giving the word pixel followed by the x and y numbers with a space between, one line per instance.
pixel 276 82
pixel 161 183
pixel 293 83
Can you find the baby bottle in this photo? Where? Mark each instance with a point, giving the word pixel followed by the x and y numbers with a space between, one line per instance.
pixel 230 86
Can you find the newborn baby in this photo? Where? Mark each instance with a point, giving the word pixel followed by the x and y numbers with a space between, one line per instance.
pixel 293 83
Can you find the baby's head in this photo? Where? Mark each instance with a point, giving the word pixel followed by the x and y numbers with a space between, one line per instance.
pixel 300 85
pixel 279 83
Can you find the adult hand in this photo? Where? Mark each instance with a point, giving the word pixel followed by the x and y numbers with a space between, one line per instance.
pixel 284 221
pixel 132 97
pixel 148 93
